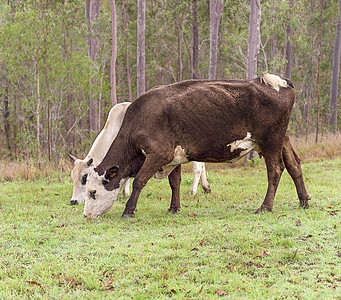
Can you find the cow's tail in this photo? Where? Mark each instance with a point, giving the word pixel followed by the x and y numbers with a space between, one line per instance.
pixel 275 81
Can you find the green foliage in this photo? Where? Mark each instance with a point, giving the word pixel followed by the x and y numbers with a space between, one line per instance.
pixel 215 245
pixel 54 33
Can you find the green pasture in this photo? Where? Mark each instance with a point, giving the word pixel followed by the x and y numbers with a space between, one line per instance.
pixel 216 247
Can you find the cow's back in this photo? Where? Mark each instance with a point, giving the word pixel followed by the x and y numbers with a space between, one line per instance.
pixel 202 114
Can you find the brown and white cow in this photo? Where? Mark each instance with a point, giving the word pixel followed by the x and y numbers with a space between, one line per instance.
pixel 100 147
pixel 198 120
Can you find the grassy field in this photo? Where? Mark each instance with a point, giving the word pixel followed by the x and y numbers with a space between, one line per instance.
pixel 215 247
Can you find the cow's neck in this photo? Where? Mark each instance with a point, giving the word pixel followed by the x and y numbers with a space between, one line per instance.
pixel 123 155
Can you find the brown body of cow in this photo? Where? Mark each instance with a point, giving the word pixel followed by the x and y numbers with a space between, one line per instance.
pixel 198 120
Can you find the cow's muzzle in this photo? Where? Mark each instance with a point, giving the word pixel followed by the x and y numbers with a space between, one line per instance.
pixel 93 194
pixel 89 215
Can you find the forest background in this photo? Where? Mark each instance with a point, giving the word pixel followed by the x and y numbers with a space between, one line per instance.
pixel 56 58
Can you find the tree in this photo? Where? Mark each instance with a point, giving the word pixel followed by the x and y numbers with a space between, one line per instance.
pixel 4 107
pixel 335 74
pixel 216 8
pixel 141 55
pixel 37 76
pixel 69 78
pixel 92 13
pixel 195 39
pixel 254 39
pixel 318 75
pixel 125 32
pixel 288 52
pixel 113 54
pixel 253 50
pixel 273 41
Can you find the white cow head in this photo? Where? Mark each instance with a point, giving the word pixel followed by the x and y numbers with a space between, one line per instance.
pixel 79 176
pixel 102 191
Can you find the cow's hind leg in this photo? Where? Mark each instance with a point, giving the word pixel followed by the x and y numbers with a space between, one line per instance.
pixel 293 165
pixel 199 173
pixel 204 183
pixel 126 188
pixel 197 170
pixel 174 179
pixel 275 166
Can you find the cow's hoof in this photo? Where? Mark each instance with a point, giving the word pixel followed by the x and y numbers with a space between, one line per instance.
pixel 128 213
pixel 258 211
pixel 304 202
pixel 174 210
pixel 73 202
pixel 262 208
pixel 125 216
pixel 304 205
pixel 207 190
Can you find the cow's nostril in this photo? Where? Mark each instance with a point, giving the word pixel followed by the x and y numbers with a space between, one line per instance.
pixel 92 194
pixel 73 202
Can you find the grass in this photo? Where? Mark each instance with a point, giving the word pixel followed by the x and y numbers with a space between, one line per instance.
pixel 215 247
pixel 328 147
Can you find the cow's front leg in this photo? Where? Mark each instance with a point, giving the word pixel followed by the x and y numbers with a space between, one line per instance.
pixel 132 201
pixel 275 167
pixel 150 166
pixel 174 179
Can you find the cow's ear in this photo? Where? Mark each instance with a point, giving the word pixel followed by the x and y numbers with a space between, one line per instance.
pixel 73 158
pixel 111 173
pixel 89 162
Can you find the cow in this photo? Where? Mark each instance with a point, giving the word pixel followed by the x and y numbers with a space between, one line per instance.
pixel 198 120
pixel 100 147
pixel 96 154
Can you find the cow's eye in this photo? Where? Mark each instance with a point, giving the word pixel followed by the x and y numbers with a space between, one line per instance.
pixel 84 177
pixel 105 182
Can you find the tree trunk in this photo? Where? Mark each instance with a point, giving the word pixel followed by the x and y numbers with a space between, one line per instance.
pixel 335 75
pixel 4 108
pixel 125 17
pixel 169 73
pixel 37 73
pixel 113 54
pixel 254 39
pixel 91 13
pixel 179 35
pixel 130 94
pixel 273 41
pixel 141 36
pixel 252 56
pixel 216 8
pixel 195 37
pixel 48 104
pixel 71 138
pixel 288 52
pixel 5 114
pixel 87 17
pixel 310 86
pixel 318 78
